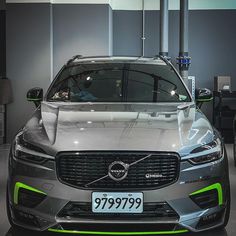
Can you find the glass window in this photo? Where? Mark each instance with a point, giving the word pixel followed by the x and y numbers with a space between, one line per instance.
pixel 118 82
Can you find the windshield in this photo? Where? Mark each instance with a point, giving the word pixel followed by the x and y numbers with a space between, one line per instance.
pixel 118 82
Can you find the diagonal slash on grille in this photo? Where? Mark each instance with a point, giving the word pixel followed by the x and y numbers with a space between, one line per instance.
pixel 142 159
pixel 131 164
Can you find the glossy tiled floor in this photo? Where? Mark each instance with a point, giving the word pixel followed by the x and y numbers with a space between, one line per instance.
pixel 5 229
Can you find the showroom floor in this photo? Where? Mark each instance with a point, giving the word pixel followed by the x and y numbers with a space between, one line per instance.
pixel 5 229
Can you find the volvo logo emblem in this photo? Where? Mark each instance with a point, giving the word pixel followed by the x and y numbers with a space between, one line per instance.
pixel 118 170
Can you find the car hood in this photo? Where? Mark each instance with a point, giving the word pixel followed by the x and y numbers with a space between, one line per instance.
pixel 177 127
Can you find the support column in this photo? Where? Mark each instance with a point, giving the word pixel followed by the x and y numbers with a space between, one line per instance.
pixel 184 60
pixel 164 28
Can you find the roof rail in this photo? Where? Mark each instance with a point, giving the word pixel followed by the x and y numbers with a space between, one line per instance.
pixel 73 59
pixel 163 58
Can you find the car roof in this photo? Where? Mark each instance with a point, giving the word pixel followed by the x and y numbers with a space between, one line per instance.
pixel 116 59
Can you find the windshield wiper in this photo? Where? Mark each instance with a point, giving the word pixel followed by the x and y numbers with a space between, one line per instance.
pixel 58 100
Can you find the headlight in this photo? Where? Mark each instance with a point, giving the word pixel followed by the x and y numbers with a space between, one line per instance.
pixel 206 158
pixel 27 151
pixel 207 153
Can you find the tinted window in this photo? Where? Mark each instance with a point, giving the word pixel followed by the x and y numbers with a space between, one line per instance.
pixel 118 82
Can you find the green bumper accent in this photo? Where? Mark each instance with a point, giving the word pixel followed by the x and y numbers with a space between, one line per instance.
pixel 117 233
pixel 204 100
pixel 216 186
pixel 19 185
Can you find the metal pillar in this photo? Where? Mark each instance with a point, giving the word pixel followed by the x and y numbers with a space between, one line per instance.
pixel 143 28
pixel 184 60
pixel 164 28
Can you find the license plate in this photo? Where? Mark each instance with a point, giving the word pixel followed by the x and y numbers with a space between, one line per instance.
pixel 117 202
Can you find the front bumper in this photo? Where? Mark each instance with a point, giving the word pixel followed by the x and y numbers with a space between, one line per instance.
pixel 193 180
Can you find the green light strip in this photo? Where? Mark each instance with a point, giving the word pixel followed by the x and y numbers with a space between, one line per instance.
pixel 117 233
pixel 216 186
pixel 19 185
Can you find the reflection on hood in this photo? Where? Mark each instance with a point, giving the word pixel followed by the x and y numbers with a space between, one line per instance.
pixel 148 127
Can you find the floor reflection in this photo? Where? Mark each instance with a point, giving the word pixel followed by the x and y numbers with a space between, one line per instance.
pixel 222 232
pixel 17 232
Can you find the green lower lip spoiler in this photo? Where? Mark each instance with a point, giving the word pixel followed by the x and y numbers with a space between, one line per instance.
pixel 117 233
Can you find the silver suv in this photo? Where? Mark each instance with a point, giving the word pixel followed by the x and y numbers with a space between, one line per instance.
pixel 118 146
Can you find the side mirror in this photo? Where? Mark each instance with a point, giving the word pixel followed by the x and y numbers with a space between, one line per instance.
pixel 203 95
pixel 35 95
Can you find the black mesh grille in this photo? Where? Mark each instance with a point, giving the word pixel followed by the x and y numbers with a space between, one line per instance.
pixel 157 210
pixel 80 169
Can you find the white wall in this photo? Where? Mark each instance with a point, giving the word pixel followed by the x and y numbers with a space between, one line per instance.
pixel 62 1
pixel 173 4
pixel 149 4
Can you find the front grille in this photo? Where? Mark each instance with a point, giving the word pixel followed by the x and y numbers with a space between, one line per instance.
pixel 157 210
pixel 81 169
